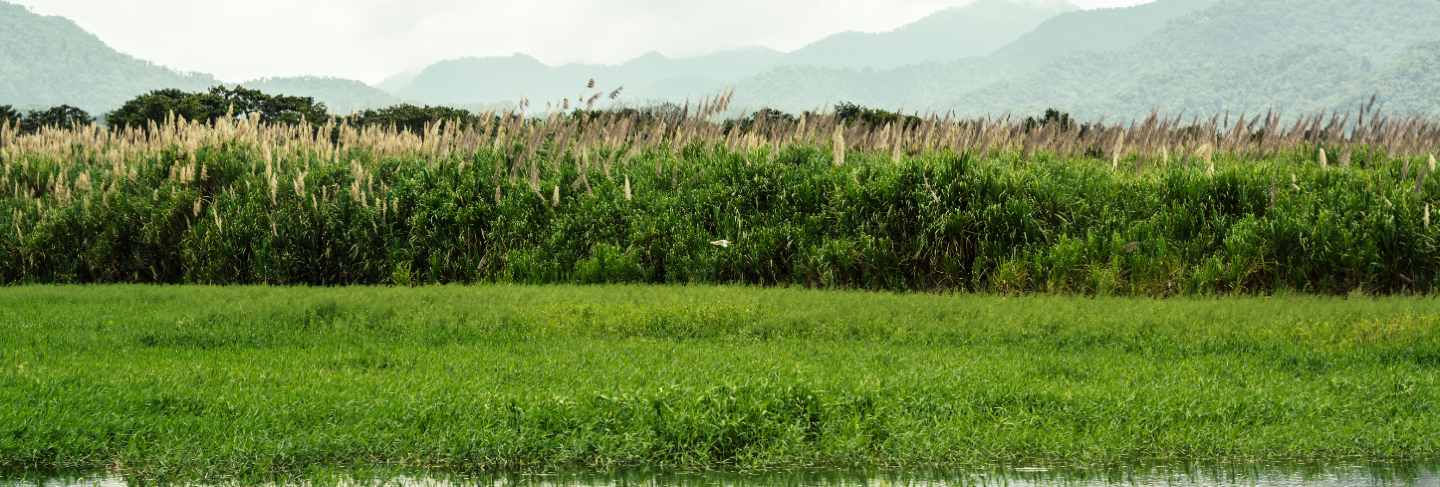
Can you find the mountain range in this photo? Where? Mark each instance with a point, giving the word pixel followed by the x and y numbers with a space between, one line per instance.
pixel 945 36
pixel 987 57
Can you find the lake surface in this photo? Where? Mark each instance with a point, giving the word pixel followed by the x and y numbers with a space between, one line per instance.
pixel 1250 476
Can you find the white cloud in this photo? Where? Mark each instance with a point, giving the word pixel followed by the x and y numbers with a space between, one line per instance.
pixel 370 39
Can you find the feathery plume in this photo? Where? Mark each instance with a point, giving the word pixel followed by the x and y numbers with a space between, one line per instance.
pixel 1118 151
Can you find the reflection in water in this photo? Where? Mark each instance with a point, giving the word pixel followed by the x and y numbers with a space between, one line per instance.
pixel 1347 476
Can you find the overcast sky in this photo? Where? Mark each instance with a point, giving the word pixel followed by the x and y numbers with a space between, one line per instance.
pixel 370 39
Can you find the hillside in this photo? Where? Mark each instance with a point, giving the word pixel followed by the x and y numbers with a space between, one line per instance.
pixel 1099 30
pixel 49 60
pixel 1238 56
pixel 1196 56
pixel 649 77
pixel 1411 83
pixel 929 86
pixel 973 30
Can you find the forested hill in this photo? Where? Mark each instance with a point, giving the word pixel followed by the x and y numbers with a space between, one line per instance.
pixel 977 29
pixel 49 60
pixel 1196 56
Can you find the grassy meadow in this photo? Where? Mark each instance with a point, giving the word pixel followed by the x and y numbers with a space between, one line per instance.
pixel 240 382
pixel 1041 247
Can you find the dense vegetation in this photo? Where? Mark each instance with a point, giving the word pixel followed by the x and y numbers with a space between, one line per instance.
pixel 412 118
pixel 214 383
pixel 221 101
pixel 10 116
pixel 1159 208
pixel 161 107
pixel 63 117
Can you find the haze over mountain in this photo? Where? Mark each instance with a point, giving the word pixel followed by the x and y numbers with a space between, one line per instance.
pixel 1197 56
pixel 1241 56
pixel 1099 30
pixel 650 77
pixel 955 33
pixel 989 57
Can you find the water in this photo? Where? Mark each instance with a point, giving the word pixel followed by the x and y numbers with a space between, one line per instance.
pixel 1250 476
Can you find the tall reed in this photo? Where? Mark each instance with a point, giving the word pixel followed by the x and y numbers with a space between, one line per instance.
pixel 1159 206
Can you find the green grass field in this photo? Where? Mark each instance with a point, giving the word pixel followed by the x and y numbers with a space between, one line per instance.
pixel 199 382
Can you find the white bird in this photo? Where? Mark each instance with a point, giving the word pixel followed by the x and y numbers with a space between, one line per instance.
pixel 721 243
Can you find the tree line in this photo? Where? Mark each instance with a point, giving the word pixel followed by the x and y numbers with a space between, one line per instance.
pixel 63 116
pixel 159 106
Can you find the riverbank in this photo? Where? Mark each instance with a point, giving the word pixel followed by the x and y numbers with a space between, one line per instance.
pixel 204 382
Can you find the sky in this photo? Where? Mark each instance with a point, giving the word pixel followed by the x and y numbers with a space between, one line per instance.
pixel 369 40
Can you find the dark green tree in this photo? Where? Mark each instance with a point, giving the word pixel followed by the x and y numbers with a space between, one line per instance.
pixel 768 117
pixel 62 117
pixel 9 116
pixel 412 118
pixel 1052 116
pixel 856 114
pixel 239 100
pixel 220 101
pixel 155 106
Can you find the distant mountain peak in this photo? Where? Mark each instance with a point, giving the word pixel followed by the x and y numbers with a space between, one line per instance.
pixel 1056 5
